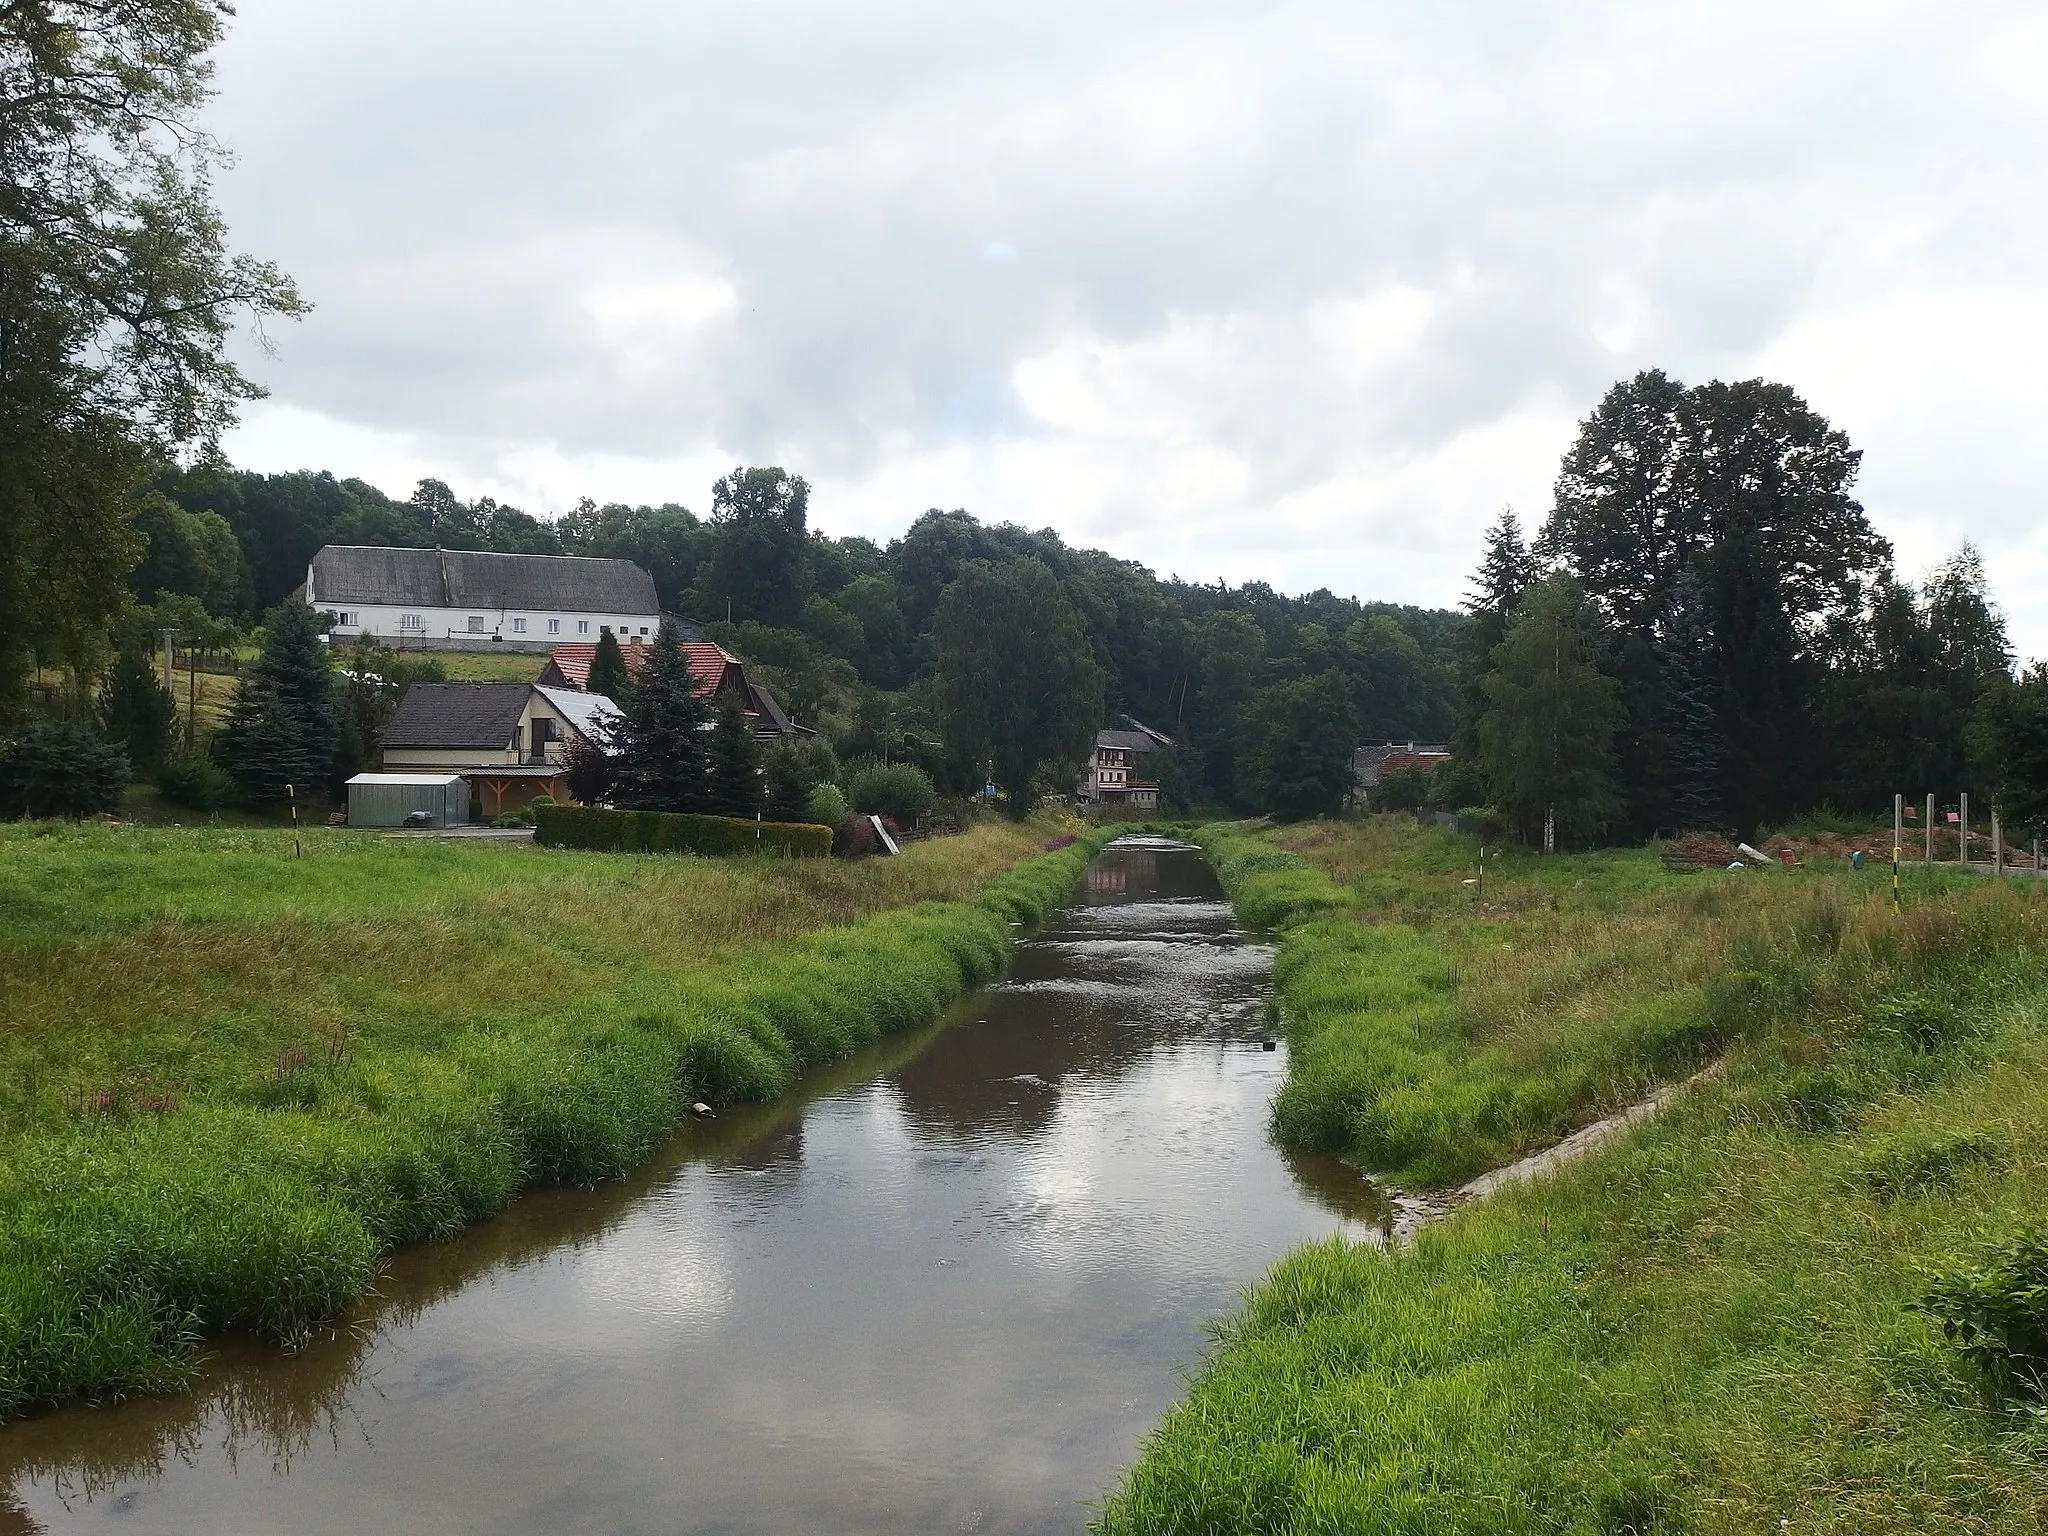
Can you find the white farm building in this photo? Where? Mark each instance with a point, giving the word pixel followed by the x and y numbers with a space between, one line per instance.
pixel 462 599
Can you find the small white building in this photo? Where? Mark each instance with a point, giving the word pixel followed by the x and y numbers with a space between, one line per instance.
pixel 509 740
pixel 473 599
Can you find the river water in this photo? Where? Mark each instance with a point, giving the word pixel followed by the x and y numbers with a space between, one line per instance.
pixel 947 1287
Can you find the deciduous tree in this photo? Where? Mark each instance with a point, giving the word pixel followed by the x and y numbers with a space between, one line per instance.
pixel 117 296
pixel 1022 692
pixel 1546 736
pixel 759 541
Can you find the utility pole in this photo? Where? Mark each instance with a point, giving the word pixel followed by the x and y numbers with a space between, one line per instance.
pixel 1997 847
pixel 1963 831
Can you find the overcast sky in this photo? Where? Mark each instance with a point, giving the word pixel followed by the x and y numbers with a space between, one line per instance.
pixel 1302 293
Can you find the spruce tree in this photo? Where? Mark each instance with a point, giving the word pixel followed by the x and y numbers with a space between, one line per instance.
pixel 608 674
pixel 285 719
pixel 660 736
pixel 1688 719
pixel 137 713
pixel 788 784
pixel 1506 571
pixel 733 782
pixel 264 749
pixel 61 768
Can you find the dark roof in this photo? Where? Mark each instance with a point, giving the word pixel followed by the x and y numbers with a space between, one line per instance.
pixel 457 715
pixel 470 578
pixel 1129 741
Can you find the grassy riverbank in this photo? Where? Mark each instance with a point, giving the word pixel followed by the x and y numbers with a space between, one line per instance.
pixel 230 1079
pixel 1743 1315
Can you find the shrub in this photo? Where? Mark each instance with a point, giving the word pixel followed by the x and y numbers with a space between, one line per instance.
pixel 826 805
pixel 608 831
pixel 1404 789
pixel 61 768
pixel 1994 1308
pixel 196 784
pixel 898 790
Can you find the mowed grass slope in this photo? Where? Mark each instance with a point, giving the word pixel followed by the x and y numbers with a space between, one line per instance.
pixel 1737 1320
pixel 229 1078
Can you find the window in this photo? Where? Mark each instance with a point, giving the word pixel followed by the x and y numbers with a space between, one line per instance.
pixel 583 626
pixel 519 626
pixel 554 626
pixel 476 624
pixel 412 621
pixel 643 629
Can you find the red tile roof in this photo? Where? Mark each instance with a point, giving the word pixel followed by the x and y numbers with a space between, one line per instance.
pixel 707 662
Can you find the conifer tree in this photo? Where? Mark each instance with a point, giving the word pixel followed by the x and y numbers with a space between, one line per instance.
pixel 283 726
pixel 660 736
pixel 733 781
pixel 263 747
pixel 60 768
pixel 1506 571
pixel 137 713
pixel 608 674
pixel 787 784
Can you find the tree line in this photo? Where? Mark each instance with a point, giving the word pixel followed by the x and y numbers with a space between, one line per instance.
pixel 1707 633
pixel 1267 693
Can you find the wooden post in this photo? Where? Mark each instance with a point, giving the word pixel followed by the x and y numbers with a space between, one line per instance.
pixel 1997 847
pixel 1898 837
pixel 292 794
pixel 1963 830
pixel 1928 830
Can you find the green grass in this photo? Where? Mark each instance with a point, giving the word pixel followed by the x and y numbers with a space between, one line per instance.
pixel 231 1079
pixel 1740 1316
pixel 1438 1028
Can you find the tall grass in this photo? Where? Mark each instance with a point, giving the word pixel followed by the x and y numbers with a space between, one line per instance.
pixel 1438 1028
pixel 1737 1320
pixel 261 1193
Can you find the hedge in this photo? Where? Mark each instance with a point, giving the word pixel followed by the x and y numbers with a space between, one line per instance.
pixel 606 831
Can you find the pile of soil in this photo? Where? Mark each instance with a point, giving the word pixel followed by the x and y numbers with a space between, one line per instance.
pixel 1703 848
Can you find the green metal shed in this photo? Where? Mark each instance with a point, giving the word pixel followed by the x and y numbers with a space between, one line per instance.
pixel 386 799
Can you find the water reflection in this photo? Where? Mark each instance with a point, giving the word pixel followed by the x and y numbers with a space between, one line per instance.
pixel 947 1290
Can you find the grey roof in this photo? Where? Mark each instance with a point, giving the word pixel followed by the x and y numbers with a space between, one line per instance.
pixel 1129 741
pixel 591 713
pixel 470 578
pixel 457 715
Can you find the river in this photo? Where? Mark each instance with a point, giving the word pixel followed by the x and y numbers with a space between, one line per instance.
pixel 948 1286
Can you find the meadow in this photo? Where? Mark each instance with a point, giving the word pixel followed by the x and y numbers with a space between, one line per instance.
pixel 230 1078
pixel 1810 1297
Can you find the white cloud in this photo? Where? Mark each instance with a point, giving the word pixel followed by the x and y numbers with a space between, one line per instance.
pixel 1300 292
